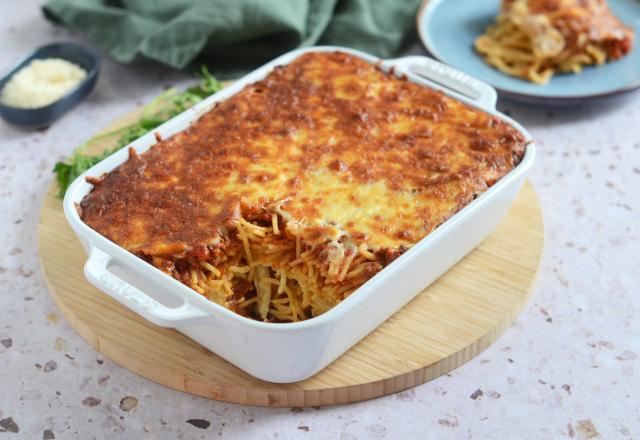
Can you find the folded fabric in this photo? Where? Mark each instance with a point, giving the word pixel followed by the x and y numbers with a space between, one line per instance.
pixel 232 37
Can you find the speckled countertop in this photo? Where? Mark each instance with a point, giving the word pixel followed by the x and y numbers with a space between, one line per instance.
pixel 568 368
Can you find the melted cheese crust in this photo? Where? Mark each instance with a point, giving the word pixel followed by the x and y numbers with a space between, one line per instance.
pixel 329 141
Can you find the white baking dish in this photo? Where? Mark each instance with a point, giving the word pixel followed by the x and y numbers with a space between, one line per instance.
pixel 294 351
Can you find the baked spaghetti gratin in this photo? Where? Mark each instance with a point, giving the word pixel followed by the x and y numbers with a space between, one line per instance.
pixel 285 198
pixel 534 39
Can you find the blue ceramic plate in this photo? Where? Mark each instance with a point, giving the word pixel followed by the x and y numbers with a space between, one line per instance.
pixel 448 29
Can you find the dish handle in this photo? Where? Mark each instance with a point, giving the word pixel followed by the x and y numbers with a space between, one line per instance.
pixel 96 269
pixel 447 77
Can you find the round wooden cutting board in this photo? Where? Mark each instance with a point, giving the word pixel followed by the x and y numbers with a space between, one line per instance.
pixel 449 323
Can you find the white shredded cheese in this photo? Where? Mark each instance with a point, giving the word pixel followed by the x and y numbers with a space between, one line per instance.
pixel 41 83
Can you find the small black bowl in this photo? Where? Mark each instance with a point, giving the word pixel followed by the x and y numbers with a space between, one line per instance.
pixel 43 116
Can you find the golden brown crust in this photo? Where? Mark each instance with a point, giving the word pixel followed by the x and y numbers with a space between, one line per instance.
pixel 328 139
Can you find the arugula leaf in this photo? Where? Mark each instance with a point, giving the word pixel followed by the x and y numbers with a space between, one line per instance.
pixel 167 105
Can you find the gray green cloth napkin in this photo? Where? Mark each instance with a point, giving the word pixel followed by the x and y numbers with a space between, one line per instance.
pixel 232 37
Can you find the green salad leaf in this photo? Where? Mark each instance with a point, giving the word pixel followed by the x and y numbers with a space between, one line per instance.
pixel 169 104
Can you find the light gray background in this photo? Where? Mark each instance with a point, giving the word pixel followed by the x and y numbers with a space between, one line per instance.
pixel 569 366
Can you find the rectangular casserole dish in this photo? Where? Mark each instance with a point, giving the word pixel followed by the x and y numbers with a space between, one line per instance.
pixel 289 352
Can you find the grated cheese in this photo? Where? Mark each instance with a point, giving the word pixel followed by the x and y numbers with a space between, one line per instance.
pixel 41 83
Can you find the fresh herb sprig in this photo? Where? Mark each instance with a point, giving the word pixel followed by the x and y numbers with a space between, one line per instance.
pixel 169 104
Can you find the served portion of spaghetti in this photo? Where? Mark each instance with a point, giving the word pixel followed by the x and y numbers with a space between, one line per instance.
pixel 285 198
pixel 533 39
